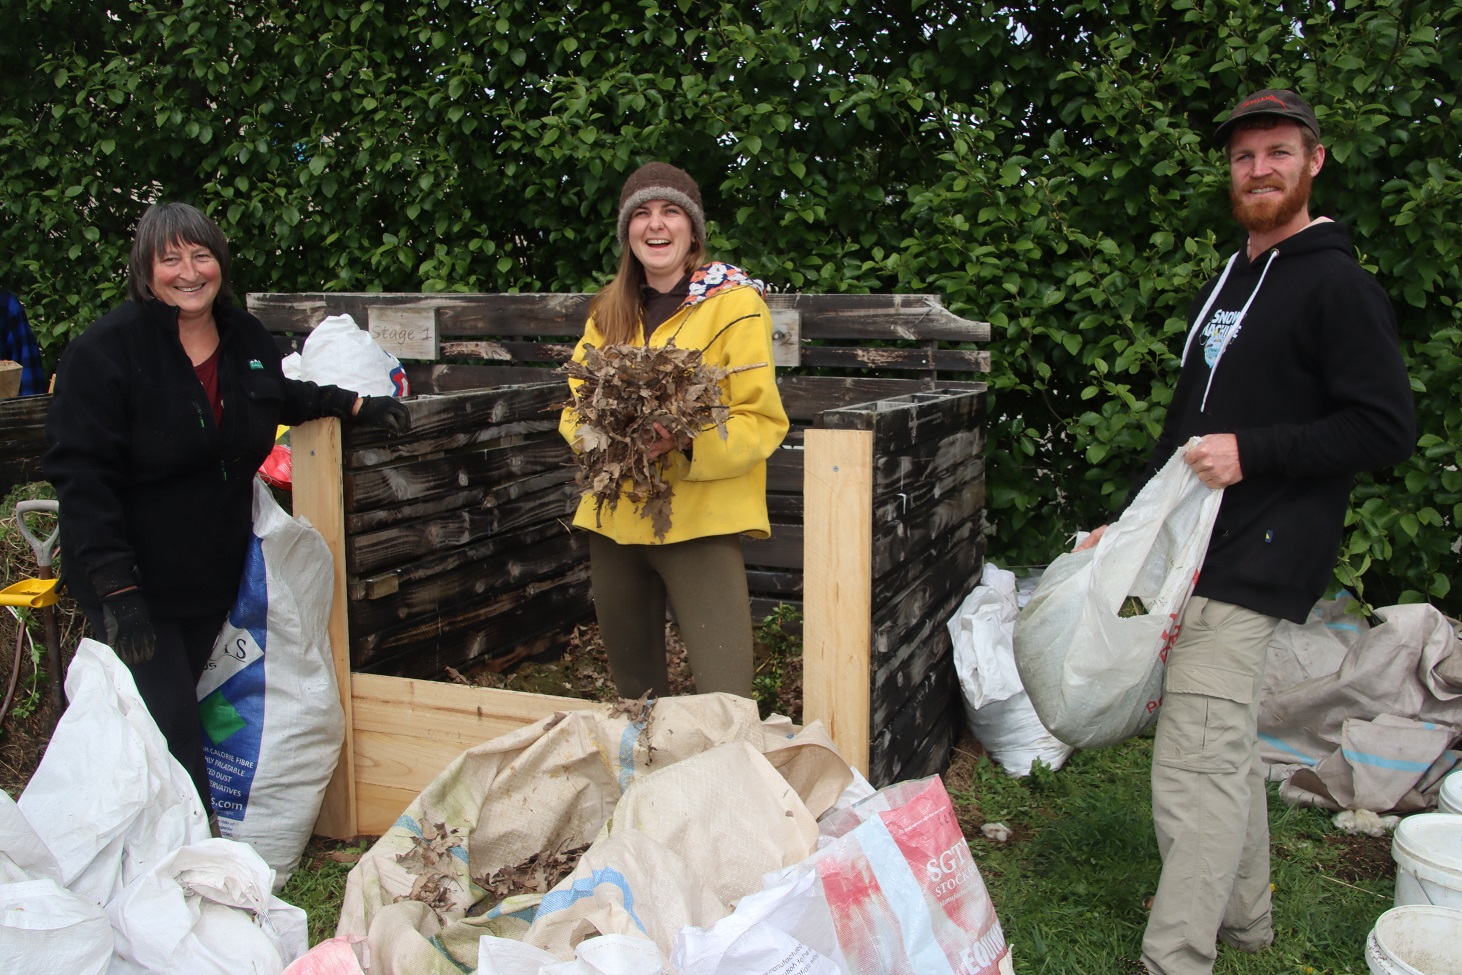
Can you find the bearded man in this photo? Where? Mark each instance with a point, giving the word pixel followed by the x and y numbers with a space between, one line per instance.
pixel 1292 376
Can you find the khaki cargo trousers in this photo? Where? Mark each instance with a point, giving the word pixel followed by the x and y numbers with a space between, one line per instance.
pixel 1209 806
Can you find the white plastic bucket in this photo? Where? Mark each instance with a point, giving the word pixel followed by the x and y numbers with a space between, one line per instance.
pixel 1416 940
pixel 1449 800
pixel 1428 854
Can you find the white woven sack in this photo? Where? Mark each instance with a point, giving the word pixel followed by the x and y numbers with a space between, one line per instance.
pixel 1094 676
pixel 272 719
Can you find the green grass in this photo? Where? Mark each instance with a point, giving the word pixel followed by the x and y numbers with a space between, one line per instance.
pixel 1070 887
pixel 318 886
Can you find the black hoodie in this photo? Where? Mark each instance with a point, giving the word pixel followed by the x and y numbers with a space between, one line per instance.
pixel 1298 356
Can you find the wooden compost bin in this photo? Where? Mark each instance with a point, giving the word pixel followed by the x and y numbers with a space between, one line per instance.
pixel 22 439
pixel 451 544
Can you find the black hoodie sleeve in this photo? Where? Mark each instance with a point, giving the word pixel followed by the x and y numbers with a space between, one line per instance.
pixel 87 459
pixel 1372 424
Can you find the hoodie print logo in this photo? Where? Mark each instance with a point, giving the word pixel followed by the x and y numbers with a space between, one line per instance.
pixel 1216 334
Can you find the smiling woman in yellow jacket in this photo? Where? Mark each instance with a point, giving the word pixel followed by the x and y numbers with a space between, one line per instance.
pixel 666 291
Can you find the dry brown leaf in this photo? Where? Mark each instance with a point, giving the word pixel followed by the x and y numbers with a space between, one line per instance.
pixel 625 391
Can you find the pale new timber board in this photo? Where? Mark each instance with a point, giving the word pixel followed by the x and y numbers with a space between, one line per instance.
pixel 407 731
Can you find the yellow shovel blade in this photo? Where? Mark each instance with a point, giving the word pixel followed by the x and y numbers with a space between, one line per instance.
pixel 34 593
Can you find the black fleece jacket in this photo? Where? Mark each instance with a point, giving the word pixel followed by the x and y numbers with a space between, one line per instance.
pixel 1313 385
pixel 153 493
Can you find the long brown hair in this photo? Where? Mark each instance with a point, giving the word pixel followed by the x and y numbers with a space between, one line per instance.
pixel 615 309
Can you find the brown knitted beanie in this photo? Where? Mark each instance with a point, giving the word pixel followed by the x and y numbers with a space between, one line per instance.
pixel 661 181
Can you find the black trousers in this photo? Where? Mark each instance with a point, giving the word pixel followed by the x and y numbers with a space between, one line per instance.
pixel 168 684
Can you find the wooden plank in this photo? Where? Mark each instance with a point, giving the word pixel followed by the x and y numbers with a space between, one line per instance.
pixel 917 740
pixel 408 731
pixel 442 423
pixel 477 497
pixel 372 552
pixel 888 357
pixel 318 495
pixel 784 469
pixel 482 627
pixel 837 580
pixel 896 543
pixel 784 550
pixel 516 457
pixel 900 422
pixel 880 317
pixel 959 553
pixel 512 568
pixel 918 317
pixel 443 378
pixel 930 459
pixel 902 654
pixel 771 582
pixel 917 492
pixel 382 584
pixel 805 397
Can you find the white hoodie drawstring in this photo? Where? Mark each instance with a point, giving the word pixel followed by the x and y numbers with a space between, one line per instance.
pixel 1233 327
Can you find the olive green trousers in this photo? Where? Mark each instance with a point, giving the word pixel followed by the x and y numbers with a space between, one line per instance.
pixel 704 580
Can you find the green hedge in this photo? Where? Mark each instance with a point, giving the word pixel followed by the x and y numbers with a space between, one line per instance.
pixel 1048 169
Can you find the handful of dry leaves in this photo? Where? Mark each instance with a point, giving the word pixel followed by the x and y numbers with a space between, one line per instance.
pixel 626 390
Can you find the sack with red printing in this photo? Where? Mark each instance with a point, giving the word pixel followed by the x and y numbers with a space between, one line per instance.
pixel 893 890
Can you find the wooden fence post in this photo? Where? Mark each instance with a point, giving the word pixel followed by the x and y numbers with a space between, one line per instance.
pixel 837 587
pixel 319 496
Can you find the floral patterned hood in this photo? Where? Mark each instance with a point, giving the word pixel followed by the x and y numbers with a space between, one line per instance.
pixel 711 279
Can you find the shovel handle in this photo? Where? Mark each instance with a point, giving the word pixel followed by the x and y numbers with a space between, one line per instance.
pixel 42 547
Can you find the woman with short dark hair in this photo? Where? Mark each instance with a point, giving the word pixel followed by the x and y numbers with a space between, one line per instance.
pixel 164 409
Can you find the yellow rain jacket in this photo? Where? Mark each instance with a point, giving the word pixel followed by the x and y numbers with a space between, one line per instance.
pixel 721 489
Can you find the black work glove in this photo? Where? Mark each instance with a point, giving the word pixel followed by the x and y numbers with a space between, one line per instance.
pixel 384 411
pixel 129 626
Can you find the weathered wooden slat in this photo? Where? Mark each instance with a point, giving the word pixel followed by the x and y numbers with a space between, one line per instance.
pixel 899 422
pixel 782 551
pixel 785 507
pixel 439 378
pixel 383 584
pixel 900 654
pixel 897 543
pixel 932 458
pixel 24 471
pixel 917 740
pixel 490 314
pixel 805 397
pixel 958 553
pixel 469 498
pixel 888 357
pixel 494 626
pixel 784 470
pixel 510 568
pixel 400 544
pixel 770 582
pixel 507 350
pixel 919 317
pixel 441 423
pixel 909 497
pixel 518 457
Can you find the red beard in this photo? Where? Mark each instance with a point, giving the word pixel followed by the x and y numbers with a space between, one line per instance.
pixel 1261 214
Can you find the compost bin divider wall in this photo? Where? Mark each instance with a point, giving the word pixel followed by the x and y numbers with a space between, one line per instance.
pixel 22 439
pixel 450 545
